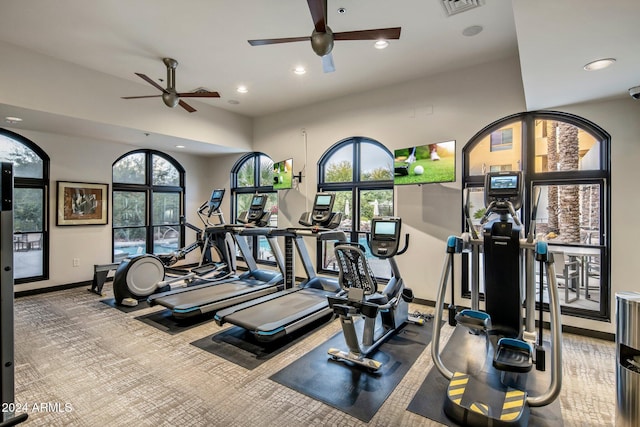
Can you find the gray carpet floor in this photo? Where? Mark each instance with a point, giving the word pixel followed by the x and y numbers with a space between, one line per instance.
pixel 93 365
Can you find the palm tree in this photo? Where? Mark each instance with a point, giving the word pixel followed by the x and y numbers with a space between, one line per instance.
pixel 569 195
pixel 552 165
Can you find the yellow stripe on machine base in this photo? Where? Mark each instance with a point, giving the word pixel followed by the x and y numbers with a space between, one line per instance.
pixel 513 405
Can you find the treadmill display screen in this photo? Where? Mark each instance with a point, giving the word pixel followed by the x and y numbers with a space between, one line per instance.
pixel 257 201
pixel 216 195
pixel 323 201
pixel 504 182
pixel 385 228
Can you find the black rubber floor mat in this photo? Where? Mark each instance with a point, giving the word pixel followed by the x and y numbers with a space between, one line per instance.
pixel 165 321
pixel 457 356
pixel 240 347
pixel 350 388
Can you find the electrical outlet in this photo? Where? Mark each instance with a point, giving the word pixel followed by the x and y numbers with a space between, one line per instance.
pixel 76 262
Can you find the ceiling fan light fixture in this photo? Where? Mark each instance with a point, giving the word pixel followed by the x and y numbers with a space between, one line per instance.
pixel 381 44
pixel 599 64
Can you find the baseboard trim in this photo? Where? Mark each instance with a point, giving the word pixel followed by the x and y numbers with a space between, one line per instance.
pixel 39 291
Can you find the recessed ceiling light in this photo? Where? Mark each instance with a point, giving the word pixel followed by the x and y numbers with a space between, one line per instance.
pixel 299 70
pixel 473 30
pixel 381 44
pixel 233 101
pixel 599 64
pixel 179 146
pixel 342 10
pixel 242 89
pixel 12 119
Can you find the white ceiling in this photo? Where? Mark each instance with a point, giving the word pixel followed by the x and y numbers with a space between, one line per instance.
pixel 554 39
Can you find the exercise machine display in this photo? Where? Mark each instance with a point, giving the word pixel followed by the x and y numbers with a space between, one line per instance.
pixel 278 314
pixel 514 346
pixel 203 298
pixel 379 313
pixel 7 379
pixel 140 276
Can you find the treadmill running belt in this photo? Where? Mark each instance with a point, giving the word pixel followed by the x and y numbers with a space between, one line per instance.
pixel 429 400
pixel 279 312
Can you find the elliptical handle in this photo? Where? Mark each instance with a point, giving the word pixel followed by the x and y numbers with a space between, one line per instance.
pixel 406 245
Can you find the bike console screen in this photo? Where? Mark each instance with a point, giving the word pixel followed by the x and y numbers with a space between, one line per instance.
pixel 385 236
pixel 322 207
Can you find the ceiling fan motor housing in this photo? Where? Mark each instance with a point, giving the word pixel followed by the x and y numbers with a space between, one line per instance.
pixel 170 99
pixel 322 42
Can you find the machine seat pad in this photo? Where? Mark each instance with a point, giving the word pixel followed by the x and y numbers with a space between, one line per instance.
pixel 513 355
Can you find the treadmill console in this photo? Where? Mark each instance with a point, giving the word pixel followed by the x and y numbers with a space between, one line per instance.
pixel 215 201
pixel 504 187
pixel 321 214
pixel 256 214
pixel 385 236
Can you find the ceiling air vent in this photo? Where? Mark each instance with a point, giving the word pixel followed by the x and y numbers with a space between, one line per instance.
pixel 452 7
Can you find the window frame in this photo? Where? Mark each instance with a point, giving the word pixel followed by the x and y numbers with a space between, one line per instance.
pixel 601 176
pixel 356 186
pixel 35 183
pixel 148 188
pixel 262 189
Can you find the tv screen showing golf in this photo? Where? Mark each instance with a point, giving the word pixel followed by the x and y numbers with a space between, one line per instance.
pixel 283 175
pixel 425 164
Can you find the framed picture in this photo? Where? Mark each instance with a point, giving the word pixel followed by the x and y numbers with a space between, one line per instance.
pixel 82 203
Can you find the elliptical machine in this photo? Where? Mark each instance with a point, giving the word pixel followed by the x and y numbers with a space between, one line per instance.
pixel 513 345
pixel 139 276
pixel 383 313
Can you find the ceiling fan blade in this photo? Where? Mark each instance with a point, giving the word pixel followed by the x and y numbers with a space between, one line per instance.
pixel 138 97
pixel 275 41
pixel 186 106
pixel 151 82
pixel 327 63
pixel 199 95
pixel 318 9
pixel 380 33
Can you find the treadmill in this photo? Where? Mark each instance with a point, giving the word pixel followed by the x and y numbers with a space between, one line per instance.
pixel 273 316
pixel 209 297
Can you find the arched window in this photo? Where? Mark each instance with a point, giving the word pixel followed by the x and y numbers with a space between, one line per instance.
pixel 567 158
pixel 31 180
pixel 253 173
pixel 360 172
pixel 148 201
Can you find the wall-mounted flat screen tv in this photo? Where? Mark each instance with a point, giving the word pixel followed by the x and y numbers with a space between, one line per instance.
pixel 425 164
pixel 283 175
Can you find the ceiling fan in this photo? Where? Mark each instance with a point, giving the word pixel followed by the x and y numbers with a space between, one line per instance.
pixel 169 95
pixel 322 37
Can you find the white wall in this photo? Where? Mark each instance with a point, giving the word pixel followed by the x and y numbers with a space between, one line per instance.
pixel 449 106
pixel 86 160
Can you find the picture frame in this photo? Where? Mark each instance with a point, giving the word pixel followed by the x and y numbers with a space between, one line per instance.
pixel 82 203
